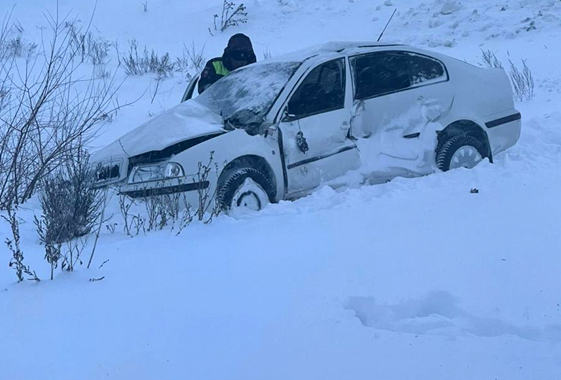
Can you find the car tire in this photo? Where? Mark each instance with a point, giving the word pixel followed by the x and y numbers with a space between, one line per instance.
pixel 460 151
pixel 244 190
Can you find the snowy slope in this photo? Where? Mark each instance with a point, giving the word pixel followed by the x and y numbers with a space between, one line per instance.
pixel 413 279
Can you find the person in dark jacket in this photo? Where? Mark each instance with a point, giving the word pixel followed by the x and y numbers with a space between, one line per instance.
pixel 238 53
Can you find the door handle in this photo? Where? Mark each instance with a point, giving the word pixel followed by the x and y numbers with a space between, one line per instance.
pixel 346 125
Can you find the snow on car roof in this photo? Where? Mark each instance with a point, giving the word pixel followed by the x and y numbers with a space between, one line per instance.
pixel 327 48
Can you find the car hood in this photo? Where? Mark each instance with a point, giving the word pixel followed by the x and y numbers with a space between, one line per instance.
pixel 183 122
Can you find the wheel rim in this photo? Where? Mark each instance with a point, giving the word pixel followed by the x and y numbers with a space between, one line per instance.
pixel 249 197
pixel 466 156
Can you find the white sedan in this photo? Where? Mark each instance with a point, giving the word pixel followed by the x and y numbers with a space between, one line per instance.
pixel 282 127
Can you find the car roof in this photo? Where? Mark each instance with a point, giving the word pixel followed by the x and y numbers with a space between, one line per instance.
pixel 328 49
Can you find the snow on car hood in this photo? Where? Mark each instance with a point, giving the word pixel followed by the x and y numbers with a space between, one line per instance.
pixel 185 121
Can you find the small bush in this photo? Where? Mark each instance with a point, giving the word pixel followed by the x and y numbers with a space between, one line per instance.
pixel 13 45
pixel 163 210
pixel 147 62
pixel 132 222
pixel 207 200
pixel 70 209
pixel 159 212
pixel 13 245
pixel 192 59
pixel 97 50
pixel 490 60
pixel 522 81
pixel 91 48
pixel 19 48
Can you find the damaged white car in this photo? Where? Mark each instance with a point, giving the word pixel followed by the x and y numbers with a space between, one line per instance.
pixel 280 128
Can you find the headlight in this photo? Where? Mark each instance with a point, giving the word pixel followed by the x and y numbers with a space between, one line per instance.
pixel 156 172
pixel 173 170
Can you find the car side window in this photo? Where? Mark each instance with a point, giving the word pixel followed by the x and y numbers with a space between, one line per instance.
pixel 323 90
pixel 386 72
pixel 425 69
pixel 379 73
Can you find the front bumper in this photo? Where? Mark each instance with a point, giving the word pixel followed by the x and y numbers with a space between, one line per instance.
pixel 189 192
pixel 144 191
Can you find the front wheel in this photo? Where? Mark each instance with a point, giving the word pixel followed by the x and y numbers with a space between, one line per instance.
pixel 244 190
pixel 462 151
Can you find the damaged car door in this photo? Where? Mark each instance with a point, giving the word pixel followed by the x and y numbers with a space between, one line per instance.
pixel 398 90
pixel 315 128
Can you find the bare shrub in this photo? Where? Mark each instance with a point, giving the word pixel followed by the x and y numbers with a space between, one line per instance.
pixel 13 244
pixel 232 15
pixel 183 66
pixel 73 254
pixel 267 54
pixel 522 81
pixel 192 58
pixel 49 111
pixel 98 50
pixel 185 219
pixel 48 115
pixel 91 48
pixel 71 208
pixel 102 220
pixel 207 199
pixel 489 59
pixel 134 223
pixel 147 62
pixel 13 44
pixel 17 47
pixel 163 210
pixel 196 56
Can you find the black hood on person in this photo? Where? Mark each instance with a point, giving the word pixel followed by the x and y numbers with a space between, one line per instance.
pixel 239 49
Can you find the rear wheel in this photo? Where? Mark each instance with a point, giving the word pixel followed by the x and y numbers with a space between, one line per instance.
pixel 244 190
pixel 462 151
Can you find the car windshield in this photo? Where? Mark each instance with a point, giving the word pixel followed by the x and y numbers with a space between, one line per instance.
pixel 251 89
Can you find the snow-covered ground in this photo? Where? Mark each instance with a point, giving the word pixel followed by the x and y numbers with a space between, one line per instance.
pixel 412 279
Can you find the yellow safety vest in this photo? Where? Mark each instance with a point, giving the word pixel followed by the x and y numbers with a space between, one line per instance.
pixel 220 69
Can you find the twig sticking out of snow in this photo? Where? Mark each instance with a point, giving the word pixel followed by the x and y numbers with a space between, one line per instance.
pixel 522 81
pixel 231 16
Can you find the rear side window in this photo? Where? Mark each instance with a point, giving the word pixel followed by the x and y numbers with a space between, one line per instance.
pixel 425 69
pixel 386 72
